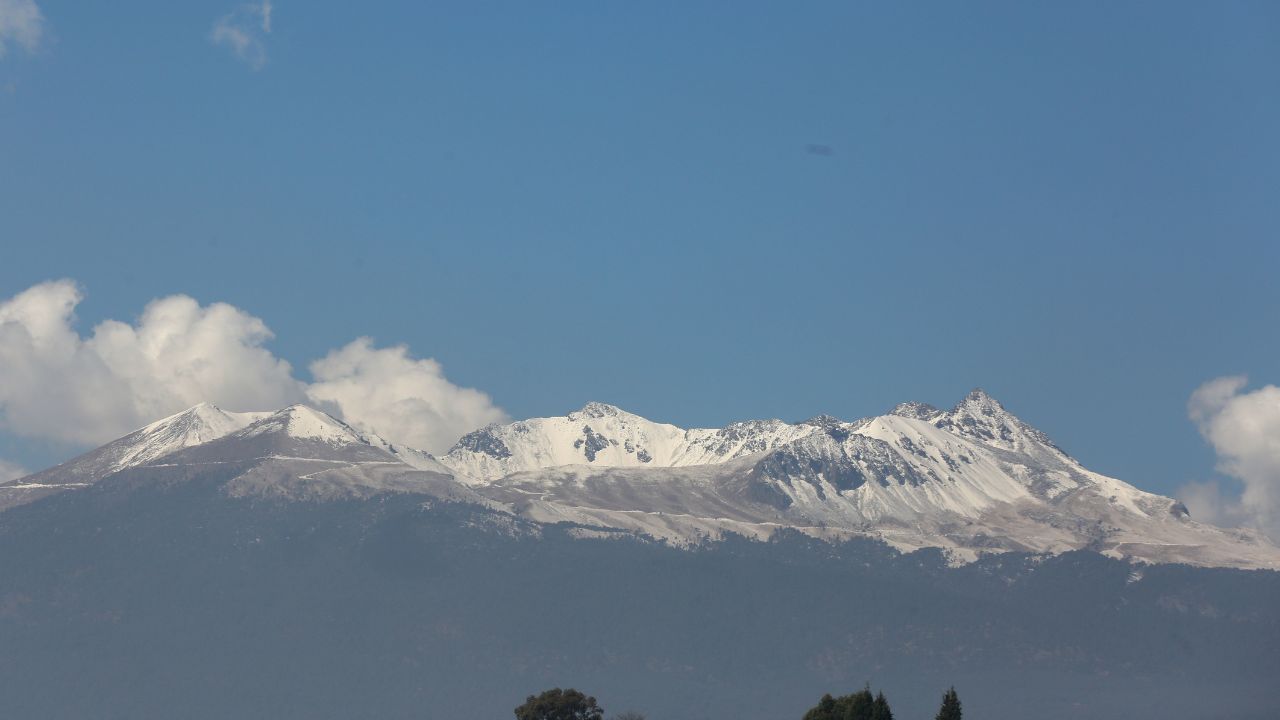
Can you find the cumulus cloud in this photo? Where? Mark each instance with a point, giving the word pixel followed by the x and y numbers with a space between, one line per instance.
pixel 56 384
pixel 1244 429
pixel 244 32
pixel 408 401
pixel 21 24
pixel 1212 503
pixel 10 471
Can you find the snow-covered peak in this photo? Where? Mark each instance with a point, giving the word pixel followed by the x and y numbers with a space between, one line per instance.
pixel 606 436
pixel 196 425
pixel 598 433
pixel 597 410
pixel 981 418
pixel 915 410
pixel 979 398
pixel 306 423
pixel 603 435
pixel 972 479
pixel 822 421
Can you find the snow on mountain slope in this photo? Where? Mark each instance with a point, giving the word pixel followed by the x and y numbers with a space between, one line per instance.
pixel 298 447
pixel 981 418
pixel 194 426
pixel 605 436
pixel 901 473
pixel 972 480
pixel 419 459
pixel 301 453
pixel 298 431
pixel 602 435
pixel 921 483
pixel 306 423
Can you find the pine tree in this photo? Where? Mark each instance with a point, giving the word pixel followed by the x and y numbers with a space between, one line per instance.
pixel 880 708
pixel 950 709
pixel 825 709
pixel 859 705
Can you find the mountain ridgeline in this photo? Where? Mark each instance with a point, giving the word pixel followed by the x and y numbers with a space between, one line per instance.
pixel 286 564
pixel 971 481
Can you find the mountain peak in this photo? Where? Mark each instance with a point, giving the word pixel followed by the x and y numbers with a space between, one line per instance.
pixel 915 410
pixel 204 411
pixel 979 399
pixel 981 417
pixel 822 421
pixel 307 423
pixel 198 424
pixel 595 409
pixel 980 404
pixel 599 410
pixel 907 479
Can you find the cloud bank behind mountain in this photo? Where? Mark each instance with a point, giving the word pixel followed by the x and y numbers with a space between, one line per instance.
pixel 1243 427
pixel 59 385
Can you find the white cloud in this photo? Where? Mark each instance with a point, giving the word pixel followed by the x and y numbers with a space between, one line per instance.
pixel 21 23
pixel 58 385
pixel 9 471
pixel 1211 503
pixel 1212 397
pixel 1244 430
pixel 244 32
pixel 405 400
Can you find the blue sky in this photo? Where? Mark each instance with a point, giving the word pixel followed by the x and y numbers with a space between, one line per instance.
pixel 1071 205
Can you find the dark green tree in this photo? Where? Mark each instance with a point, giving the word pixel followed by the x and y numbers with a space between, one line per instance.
pixel 880 708
pixel 856 706
pixel 825 709
pixel 859 705
pixel 950 709
pixel 557 704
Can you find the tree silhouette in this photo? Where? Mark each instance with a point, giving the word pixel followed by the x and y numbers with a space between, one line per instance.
pixel 557 704
pixel 950 709
pixel 856 706
pixel 880 708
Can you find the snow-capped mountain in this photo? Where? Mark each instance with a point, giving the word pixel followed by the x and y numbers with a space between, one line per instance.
pixel 298 434
pixel 303 453
pixel 605 436
pixel 972 480
pixel 197 425
pixel 313 563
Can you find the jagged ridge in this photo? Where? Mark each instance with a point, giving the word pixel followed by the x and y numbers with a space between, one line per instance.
pixel 972 479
